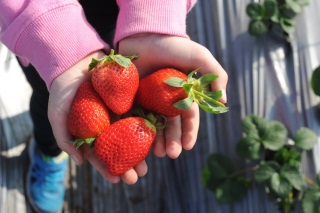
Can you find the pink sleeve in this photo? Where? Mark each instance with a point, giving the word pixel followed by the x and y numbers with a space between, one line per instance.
pixel 52 35
pixel 152 16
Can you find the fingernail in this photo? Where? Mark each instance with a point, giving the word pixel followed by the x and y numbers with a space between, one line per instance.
pixel 224 96
pixel 75 159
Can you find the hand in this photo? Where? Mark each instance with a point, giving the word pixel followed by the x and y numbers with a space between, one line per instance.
pixel 161 51
pixel 62 92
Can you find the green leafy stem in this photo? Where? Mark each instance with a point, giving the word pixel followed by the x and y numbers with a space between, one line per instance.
pixel 198 90
pixel 275 162
pixel 124 61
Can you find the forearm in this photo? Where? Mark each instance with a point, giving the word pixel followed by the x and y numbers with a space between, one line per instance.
pixel 152 16
pixel 52 36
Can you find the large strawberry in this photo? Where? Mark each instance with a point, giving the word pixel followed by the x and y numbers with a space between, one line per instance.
pixel 125 144
pixel 88 114
pixel 169 92
pixel 116 79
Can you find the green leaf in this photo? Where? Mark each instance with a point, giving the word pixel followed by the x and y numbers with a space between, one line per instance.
pixel 294 176
pixel 286 156
pixel 294 6
pixel 175 82
pixel 254 10
pixel 93 64
pixel 191 76
pixel 270 8
pixel 230 191
pixel 220 166
pixel 205 176
pixel 211 108
pixel 122 61
pixel 275 18
pixel 138 111
pixel 208 181
pixel 265 171
pixel 275 137
pixel 250 148
pixel 257 27
pixel 80 141
pixel 315 81
pixel 318 179
pixel 302 2
pixel 311 201
pixel 216 95
pixel 287 25
pixel 187 88
pixel 286 12
pixel 305 138
pixel 254 125
pixel 184 104
pixel 207 79
pixel 279 185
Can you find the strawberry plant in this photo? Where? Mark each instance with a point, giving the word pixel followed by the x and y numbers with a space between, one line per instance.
pixel 315 87
pixel 275 161
pixel 315 81
pixel 271 14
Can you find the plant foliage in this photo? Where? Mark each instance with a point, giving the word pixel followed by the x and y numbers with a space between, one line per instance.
pixel 315 81
pixel 269 13
pixel 277 166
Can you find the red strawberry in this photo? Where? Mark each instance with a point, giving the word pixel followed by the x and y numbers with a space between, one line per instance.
pixel 169 92
pixel 88 115
pixel 155 95
pixel 116 79
pixel 125 144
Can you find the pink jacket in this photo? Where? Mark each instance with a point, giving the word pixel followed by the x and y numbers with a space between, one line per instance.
pixel 55 36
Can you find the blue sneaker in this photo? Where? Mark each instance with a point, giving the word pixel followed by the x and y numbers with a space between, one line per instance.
pixel 45 181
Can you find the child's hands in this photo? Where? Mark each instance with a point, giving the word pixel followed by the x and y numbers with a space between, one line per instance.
pixel 62 92
pixel 154 51
pixel 160 51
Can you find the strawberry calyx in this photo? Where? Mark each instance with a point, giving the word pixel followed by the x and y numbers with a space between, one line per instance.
pixel 156 120
pixel 198 90
pixel 79 142
pixel 124 61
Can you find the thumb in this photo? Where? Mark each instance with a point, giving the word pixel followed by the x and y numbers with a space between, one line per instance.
pixel 193 56
pixel 207 64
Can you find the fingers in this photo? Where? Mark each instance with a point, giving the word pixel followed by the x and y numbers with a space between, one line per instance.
pixel 173 133
pixel 96 163
pixel 129 177
pixel 62 137
pixel 159 147
pixel 190 125
pixel 181 132
pixel 141 169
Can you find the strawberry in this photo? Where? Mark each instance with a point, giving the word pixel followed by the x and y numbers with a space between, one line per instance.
pixel 116 80
pixel 88 114
pixel 125 144
pixel 168 92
